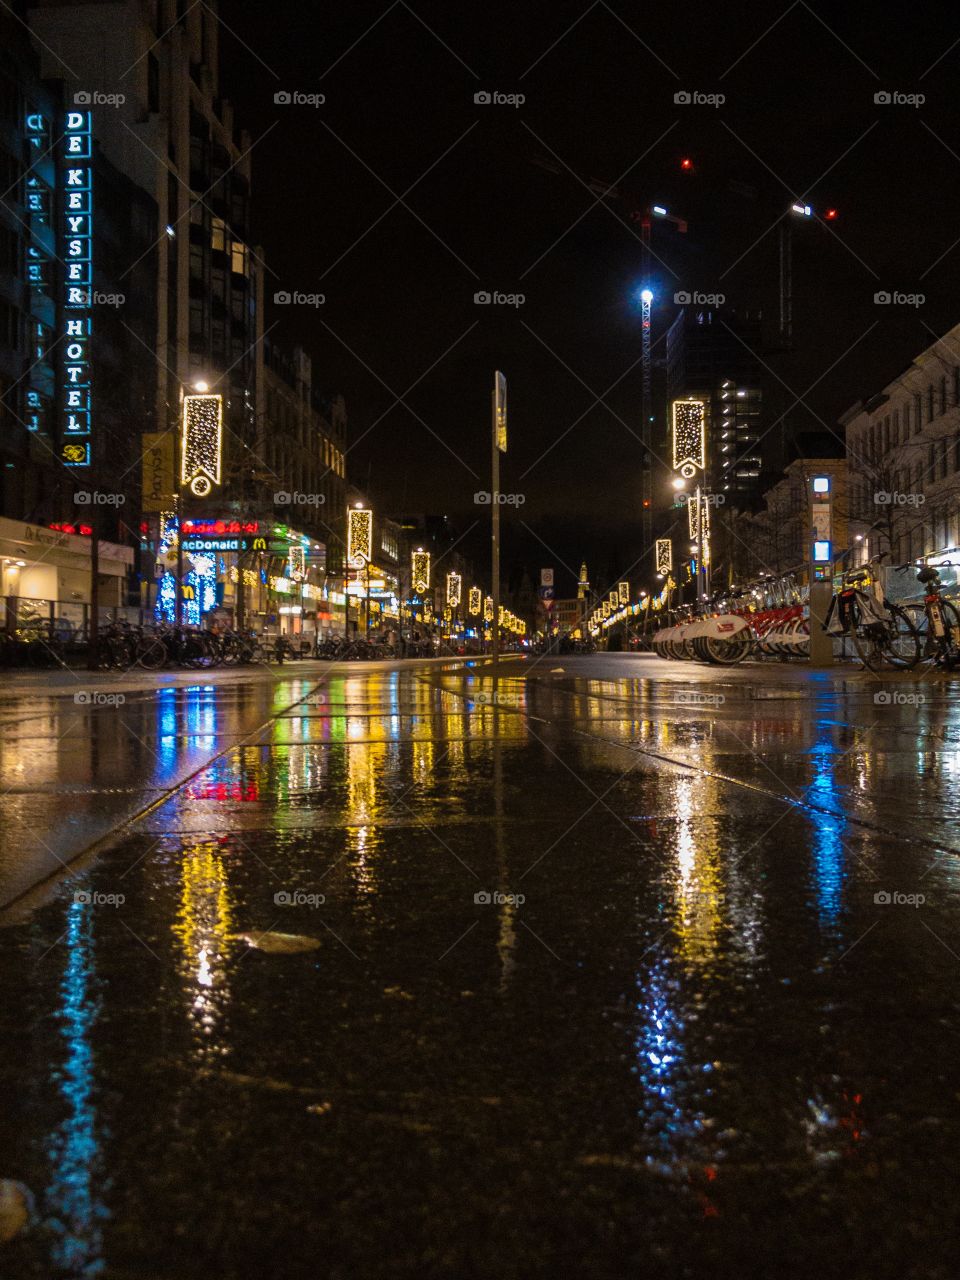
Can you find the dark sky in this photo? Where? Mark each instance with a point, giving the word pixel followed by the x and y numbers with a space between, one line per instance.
pixel 799 119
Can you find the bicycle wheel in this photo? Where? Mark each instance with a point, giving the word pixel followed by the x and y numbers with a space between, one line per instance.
pixel 727 653
pixel 902 643
pixel 951 641
pixel 151 653
pixel 929 644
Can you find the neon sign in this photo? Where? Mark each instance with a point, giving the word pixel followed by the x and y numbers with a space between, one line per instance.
pixel 77 254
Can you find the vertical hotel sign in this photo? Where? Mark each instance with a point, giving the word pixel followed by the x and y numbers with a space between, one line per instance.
pixel 78 256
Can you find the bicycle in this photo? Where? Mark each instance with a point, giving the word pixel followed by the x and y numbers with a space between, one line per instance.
pixel 881 631
pixel 937 620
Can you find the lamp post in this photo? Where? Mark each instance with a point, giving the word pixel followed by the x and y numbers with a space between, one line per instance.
pixel 498 445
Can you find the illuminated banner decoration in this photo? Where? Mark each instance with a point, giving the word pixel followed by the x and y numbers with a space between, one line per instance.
pixel 420 571
pixel 664 555
pixel 359 536
pixel 689 436
pixel 453 589
pixel 297 563
pixel 693 522
pixel 77 256
pixel 202 443
pixel 157 470
pixel 606 608
pixel 500 410
pixel 488 609
pixel 475 605
pixel 623 589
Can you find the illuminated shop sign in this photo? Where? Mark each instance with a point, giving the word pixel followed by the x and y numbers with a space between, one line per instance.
pixel 220 527
pixel 216 544
pixel 77 255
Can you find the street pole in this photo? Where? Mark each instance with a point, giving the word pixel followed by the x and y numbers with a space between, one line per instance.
pixel 178 585
pixel 366 629
pixel 495 529
pixel 93 638
pixel 701 574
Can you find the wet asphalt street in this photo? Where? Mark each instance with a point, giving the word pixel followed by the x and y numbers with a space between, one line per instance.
pixel 619 967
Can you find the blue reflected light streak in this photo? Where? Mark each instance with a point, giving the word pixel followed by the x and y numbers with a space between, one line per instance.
pixel 74 1149
pixel 830 868
pixel 660 1065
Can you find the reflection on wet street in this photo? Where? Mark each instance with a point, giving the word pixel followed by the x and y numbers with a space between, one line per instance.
pixel 592 972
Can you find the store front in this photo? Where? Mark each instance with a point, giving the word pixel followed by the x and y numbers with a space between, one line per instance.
pixel 45 573
pixel 262 573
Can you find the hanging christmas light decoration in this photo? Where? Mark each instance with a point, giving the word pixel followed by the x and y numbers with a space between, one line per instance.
pixel 623 588
pixel 420 571
pixel 475 602
pixel 297 563
pixel 201 443
pixel 454 585
pixel 664 555
pixel 488 609
pixel 689 436
pixel 500 410
pixel 359 536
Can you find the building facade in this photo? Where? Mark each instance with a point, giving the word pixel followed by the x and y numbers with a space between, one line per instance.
pixel 903 454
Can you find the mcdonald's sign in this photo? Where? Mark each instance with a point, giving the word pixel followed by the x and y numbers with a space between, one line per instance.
pixel 187 591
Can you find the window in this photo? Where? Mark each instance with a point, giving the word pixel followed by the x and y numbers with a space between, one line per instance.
pixel 943 395
pixel 218 235
pixel 930 403
pixel 916 414
pixel 238 258
pixel 896 428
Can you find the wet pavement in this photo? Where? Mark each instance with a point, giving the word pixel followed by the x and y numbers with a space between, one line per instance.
pixel 624 967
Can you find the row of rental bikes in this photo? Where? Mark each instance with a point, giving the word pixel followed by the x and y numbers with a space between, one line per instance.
pixel 772 620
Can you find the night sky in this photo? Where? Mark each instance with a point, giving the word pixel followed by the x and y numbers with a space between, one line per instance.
pixel 485 214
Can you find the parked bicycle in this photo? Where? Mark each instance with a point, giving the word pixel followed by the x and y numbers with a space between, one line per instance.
pixel 882 632
pixel 937 620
